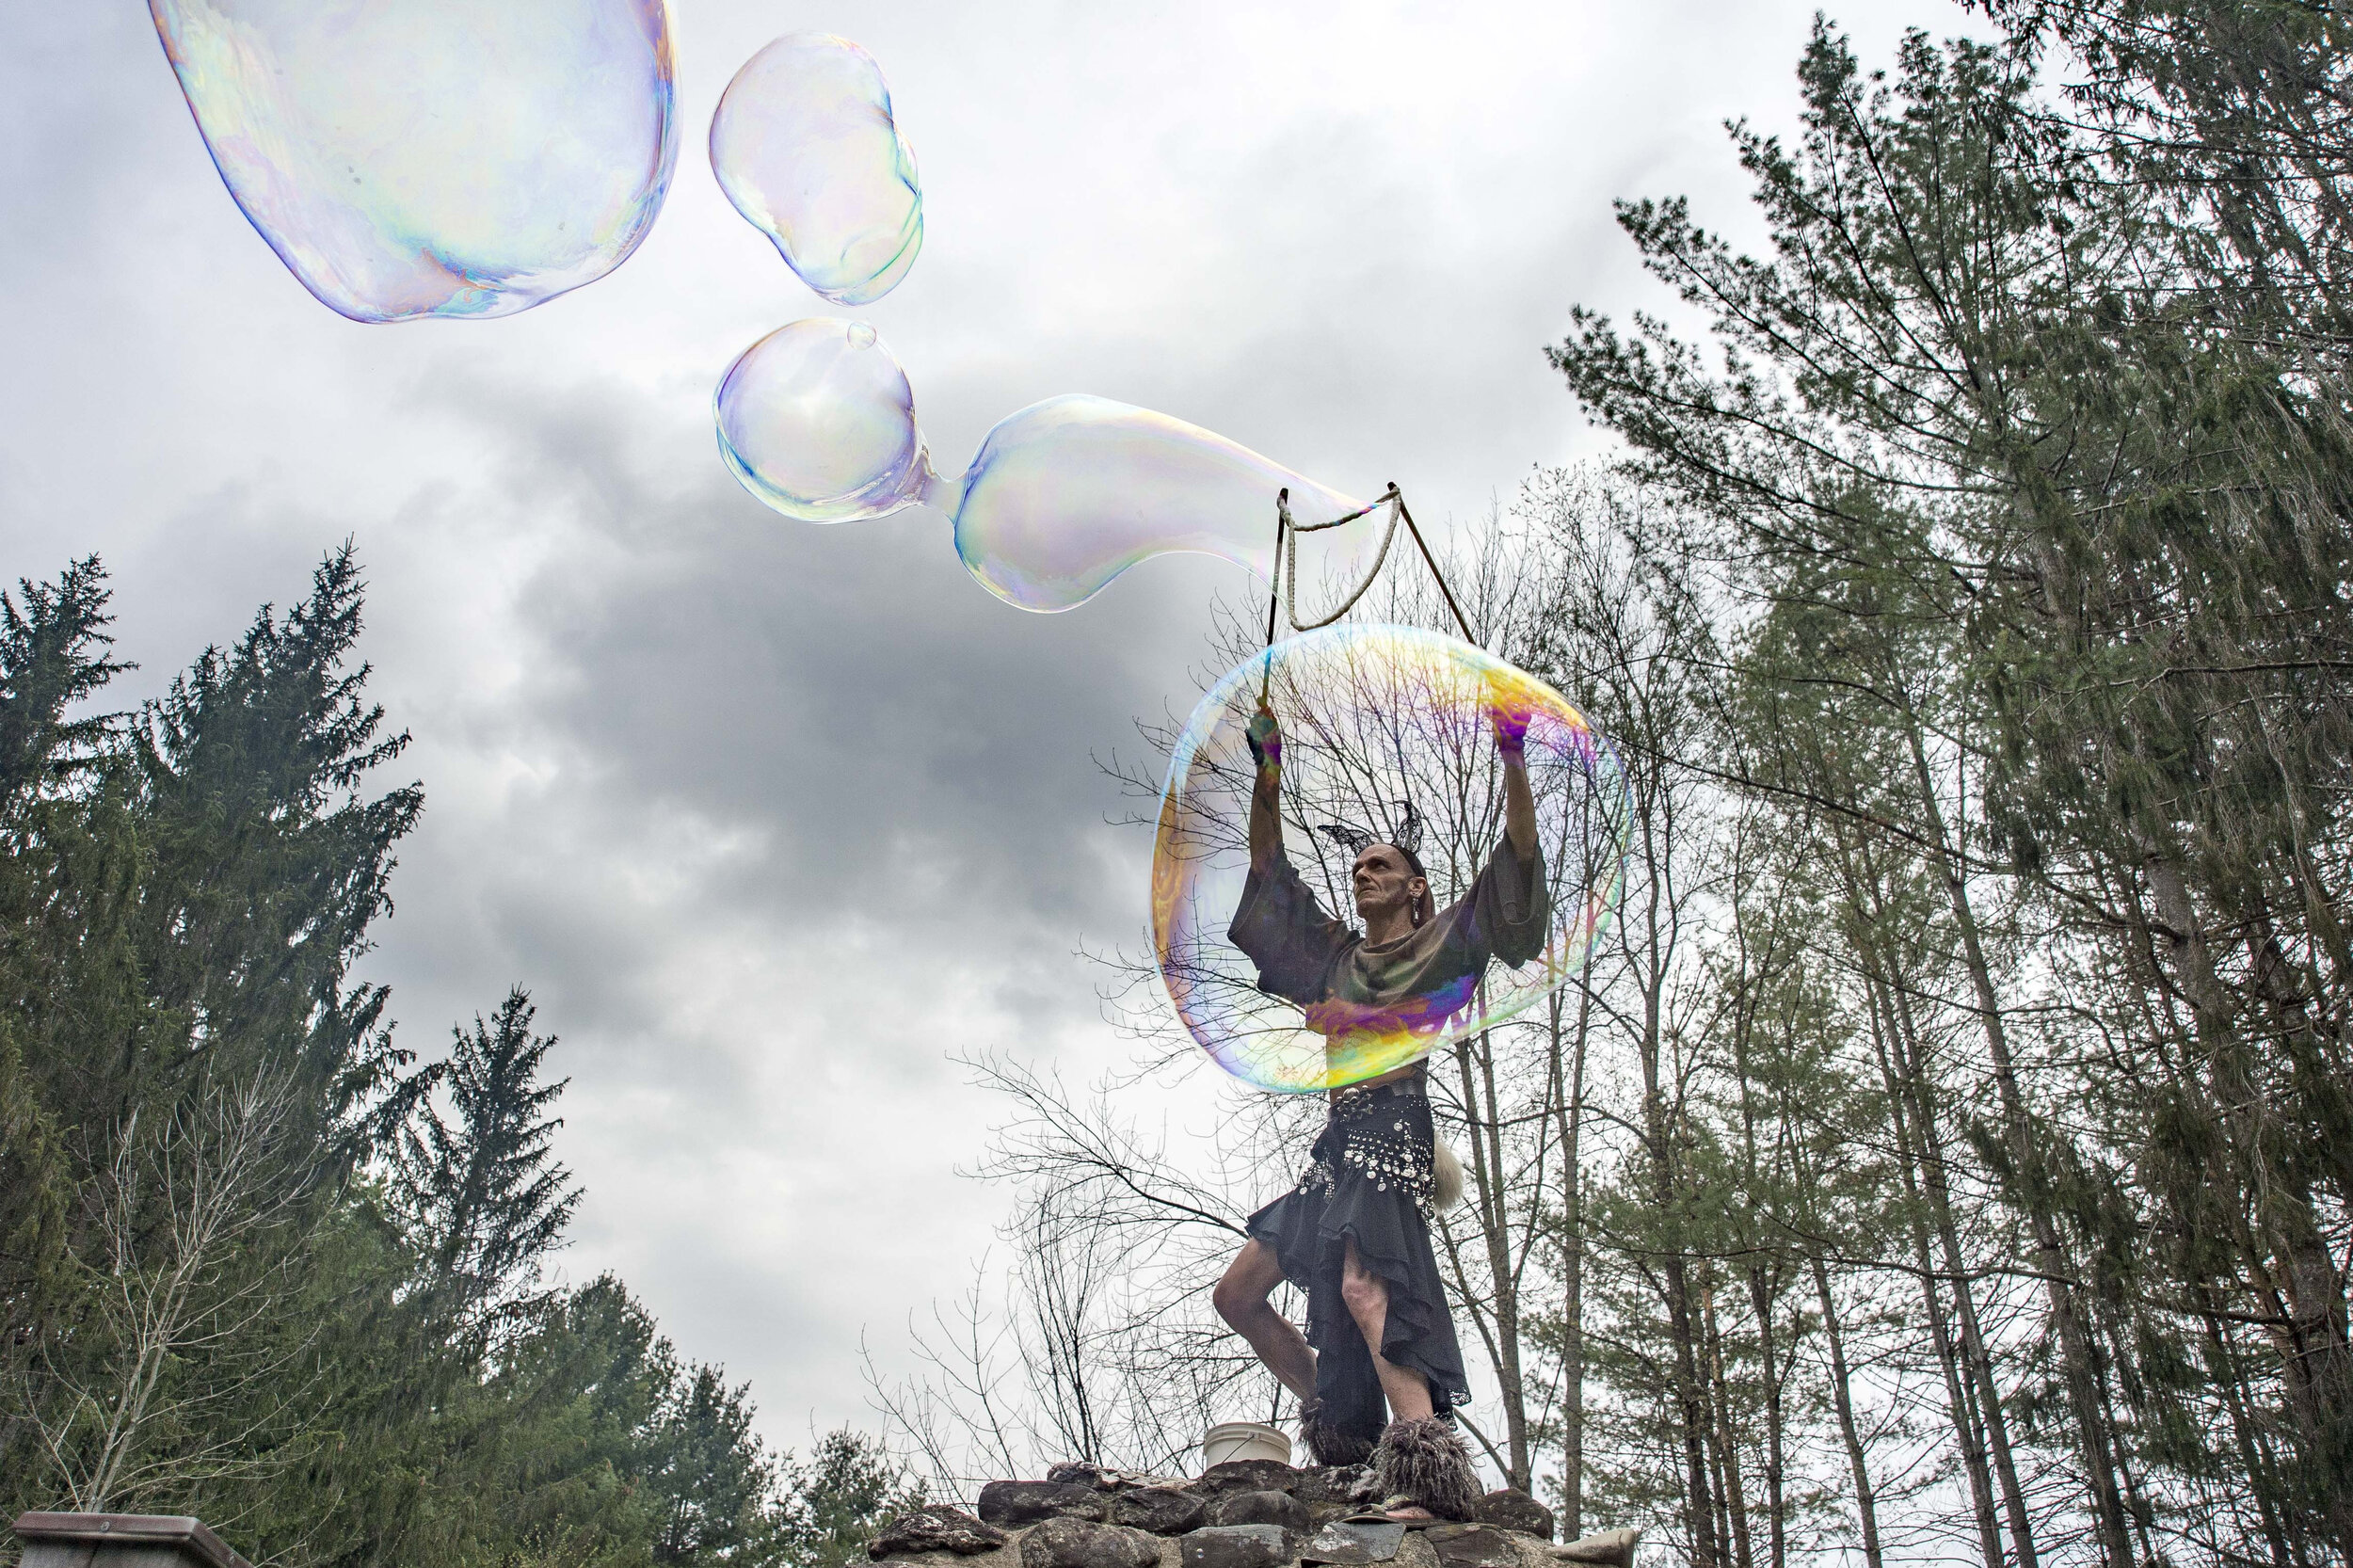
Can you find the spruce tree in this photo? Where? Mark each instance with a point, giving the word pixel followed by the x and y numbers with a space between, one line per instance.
pixel 480 1193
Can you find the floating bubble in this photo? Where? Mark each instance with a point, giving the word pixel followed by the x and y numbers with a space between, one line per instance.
pixel 817 419
pixel 804 144
pixel 1373 716
pixel 1068 493
pixel 434 157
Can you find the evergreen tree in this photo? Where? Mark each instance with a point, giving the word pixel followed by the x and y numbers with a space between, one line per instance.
pixel 480 1195
pixel 835 1502
pixel 183 893
pixel 715 1482
pixel 53 655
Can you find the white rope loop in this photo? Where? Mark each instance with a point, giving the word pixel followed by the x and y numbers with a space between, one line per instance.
pixel 1393 500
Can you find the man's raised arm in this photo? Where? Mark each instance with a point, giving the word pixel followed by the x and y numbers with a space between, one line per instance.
pixel 1266 794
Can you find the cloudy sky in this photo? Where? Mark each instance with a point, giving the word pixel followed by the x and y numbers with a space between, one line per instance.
pixel 772 817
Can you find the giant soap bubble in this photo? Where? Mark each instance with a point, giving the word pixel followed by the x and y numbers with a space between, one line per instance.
pixel 1373 716
pixel 434 157
pixel 1068 493
pixel 818 421
pixel 804 144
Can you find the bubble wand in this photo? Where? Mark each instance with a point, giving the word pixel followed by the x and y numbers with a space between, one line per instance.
pixel 1275 586
pixel 1283 586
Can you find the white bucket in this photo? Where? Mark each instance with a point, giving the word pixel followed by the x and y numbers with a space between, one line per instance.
pixel 1230 1440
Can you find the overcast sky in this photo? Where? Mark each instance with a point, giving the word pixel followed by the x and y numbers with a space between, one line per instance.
pixel 772 818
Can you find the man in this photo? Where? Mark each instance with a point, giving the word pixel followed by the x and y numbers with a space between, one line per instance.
pixel 1379 1359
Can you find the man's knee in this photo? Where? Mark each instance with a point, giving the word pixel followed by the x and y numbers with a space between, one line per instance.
pixel 1364 1294
pixel 1234 1298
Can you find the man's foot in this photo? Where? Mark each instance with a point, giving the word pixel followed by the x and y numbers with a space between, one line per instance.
pixel 1422 1465
pixel 1330 1445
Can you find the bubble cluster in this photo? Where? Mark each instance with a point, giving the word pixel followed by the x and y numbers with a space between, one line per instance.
pixel 434 157
pixel 1371 716
pixel 818 421
pixel 804 144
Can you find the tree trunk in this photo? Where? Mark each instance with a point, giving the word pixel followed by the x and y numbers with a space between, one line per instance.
pixel 1727 1441
pixel 1776 1507
pixel 1484 1125
pixel 1569 1107
pixel 1904 1040
pixel 2050 1254
pixel 1866 1508
pixel 1955 1394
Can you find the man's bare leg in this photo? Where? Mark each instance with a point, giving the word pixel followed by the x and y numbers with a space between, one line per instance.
pixel 1368 1298
pixel 1241 1299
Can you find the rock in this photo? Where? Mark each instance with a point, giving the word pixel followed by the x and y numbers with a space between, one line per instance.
pixel 1015 1503
pixel 936 1528
pixel 1161 1510
pixel 1232 1545
pixel 1328 1483
pixel 1066 1543
pixel 1611 1548
pixel 1353 1546
pixel 1473 1547
pixel 1073 1472
pixel 1246 1475
pixel 1279 1508
pixel 1510 1509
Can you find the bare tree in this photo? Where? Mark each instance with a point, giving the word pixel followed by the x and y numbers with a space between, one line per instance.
pixel 188 1289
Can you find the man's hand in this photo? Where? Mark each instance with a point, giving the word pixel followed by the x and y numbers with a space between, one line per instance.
pixel 1509 718
pixel 1265 737
pixel 1507 715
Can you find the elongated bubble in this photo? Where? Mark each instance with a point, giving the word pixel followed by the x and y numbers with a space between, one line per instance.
pixel 1373 716
pixel 817 419
pixel 1068 493
pixel 804 144
pixel 434 157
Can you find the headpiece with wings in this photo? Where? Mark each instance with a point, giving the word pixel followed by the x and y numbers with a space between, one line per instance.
pixel 1406 836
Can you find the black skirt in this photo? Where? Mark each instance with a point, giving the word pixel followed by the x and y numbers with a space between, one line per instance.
pixel 1369 1178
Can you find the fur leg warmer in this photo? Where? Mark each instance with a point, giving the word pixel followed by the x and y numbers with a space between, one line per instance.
pixel 1426 1460
pixel 1332 1442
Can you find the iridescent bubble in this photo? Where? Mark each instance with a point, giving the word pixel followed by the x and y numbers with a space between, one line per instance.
pixel 805 146
pixel 434 157
pixel 1373 716
pixel 817 419
pixel 1068 493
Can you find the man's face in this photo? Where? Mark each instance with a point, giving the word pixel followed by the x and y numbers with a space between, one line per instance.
pixel 1383 882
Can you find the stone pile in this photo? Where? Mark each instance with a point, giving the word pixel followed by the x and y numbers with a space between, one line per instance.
pixel 1246 1513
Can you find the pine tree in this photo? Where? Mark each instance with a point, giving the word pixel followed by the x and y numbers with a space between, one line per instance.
pixel 482 1197
pixel 715 1483
pixel 834 1503
pixel 52 642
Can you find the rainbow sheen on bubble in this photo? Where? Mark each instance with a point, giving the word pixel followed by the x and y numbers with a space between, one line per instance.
pixel 818 421
pixel 1068 493
pixel 1372 715
pixel 805 145
pixel 434 157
